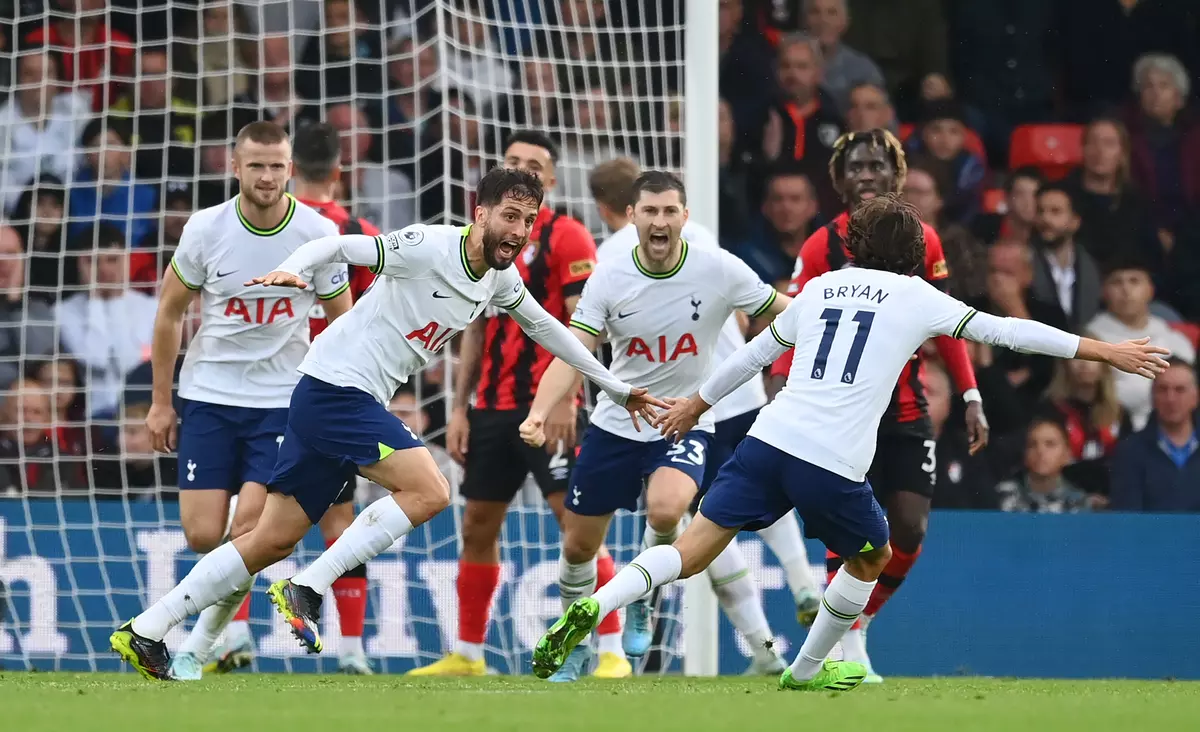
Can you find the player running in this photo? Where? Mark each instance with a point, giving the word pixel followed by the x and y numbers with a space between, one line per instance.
pixel 506 365
pixel 663 305
pixel 865 165
pixel 432 281
pixel 854 331
pixel 612 185
pixel 240 369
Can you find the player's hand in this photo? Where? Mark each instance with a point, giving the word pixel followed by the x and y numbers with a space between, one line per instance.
pixel 458 433
pixel 531 430
pixel 560 426
pixel 641 404
pixel 279 279
pixel 162 423
pixel 680 417
pixel 1138 357
pixel 977 427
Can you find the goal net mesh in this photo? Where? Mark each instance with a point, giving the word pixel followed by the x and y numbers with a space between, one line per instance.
pixel 107 129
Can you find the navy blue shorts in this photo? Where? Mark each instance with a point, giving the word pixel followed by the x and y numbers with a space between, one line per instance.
pixel 761 484
pixel 331 431
pixel 611 471
pixel 730 433
pixel 222 447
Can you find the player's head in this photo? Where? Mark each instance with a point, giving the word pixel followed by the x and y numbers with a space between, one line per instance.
pixel 262 162
pixel 659 212
pixel 317 153
pixel 886 233
pixel 611 185
pixel 533 152
pixel 506 204
pixel 867 164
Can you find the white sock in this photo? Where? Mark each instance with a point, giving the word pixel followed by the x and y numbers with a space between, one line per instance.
pixel 740 599
pixel 350 645
pixel 373 531
pixel 650 537
pixel 784 540
pixel 844 600
pixel 652 568
pixel 575 580
pixel 218 574
pixel 854 647
pixel 469 651
pixel 237 631
pixel 610 643
pixel 212 621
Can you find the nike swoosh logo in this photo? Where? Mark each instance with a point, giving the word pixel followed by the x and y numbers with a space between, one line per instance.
pixel 622 316
pixel 225 274
pixel 440 296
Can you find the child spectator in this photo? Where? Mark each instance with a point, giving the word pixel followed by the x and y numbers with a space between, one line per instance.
pixel 39 217
pixel 1084 397
pixel 1041 487
pixel 104 188
pixel 134 470
pixel 941 135
pixel 28 449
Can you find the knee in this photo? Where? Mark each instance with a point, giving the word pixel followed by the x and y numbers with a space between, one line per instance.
pixel 663 513
pixel 437 492
pixel 269 547
pixel 578 549
pixel 908 532
pixel 204 538
pixel 478 529
pixel 869 565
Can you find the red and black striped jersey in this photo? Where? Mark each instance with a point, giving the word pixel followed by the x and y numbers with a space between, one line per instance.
pixel 360 277
pixel 826 251
pixel 556 262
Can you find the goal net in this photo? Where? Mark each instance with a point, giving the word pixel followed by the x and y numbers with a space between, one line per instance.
pixel 425 92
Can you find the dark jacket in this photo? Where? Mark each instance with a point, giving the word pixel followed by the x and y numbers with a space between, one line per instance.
pixel 1144 478
pixel 1086 294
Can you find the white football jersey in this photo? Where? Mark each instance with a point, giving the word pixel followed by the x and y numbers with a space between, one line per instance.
pixel 853 331
pixel 424 294
pixel 664 328
pixel 251 339
pixel 749 396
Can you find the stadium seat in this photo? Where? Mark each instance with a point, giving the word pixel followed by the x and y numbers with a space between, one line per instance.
pixel 994 201
pixel 1053 148
pixel 1191 330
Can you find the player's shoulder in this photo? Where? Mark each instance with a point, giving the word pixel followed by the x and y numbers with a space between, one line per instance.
pixel 212 217
pixel 699 236
pixel 310 223
pixel 423 243
pixel 618 244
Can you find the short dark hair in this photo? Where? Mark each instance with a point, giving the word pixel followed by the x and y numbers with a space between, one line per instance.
pixel 1029 172
pixel 876 138
pixel 535 138
pixel 264 133
pixel 658 181
pixel 316 151
pixel 1053 187
pixel 100 126
pixel 885 233
pixel 1125 262
pixel 101 235
pixel 1051 421
pixel 500 183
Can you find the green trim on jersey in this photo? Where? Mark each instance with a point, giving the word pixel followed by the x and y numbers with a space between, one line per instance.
pixel 287 218
pixel 520 300
pixel 770 300
pixel 780 339
pixel 661 275
pixel 345 286
pixel 584 328
pixel 962 324
pixel 379 253
pixel 462 246
pixel 182 279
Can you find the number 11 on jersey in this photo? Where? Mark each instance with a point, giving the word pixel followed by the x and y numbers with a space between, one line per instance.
pixel 833 318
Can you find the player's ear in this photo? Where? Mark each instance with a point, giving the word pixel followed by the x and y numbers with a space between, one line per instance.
pixel 685 214
pixel 481 215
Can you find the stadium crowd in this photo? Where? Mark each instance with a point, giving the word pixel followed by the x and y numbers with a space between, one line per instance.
pixel 1051 143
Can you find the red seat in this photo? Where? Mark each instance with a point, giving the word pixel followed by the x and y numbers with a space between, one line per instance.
pixel 1191 330
pixel 994 201
pixel 1054 148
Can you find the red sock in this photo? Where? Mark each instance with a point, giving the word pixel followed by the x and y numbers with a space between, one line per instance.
pixel 350 594
pixel 611 624
pixel 476 585
pixel 243 612
pixel 893 575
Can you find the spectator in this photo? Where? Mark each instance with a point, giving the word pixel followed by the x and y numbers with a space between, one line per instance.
pixel 270 97
pixel 474 64
pixel 787 220
pixel 1019 215
pixel 348 62
pixel 1084 397
pixel 1165 142
pixel 1114 221
pixel 104 188
pixel 39 216
pixel 164 125
pixel 940 136
pixel 40 125
pixel 215 183
pixel 965 256
pixel 962 480
pixel 90 50
pixel 733 178
pixel 1041 487
pixel 147 264
pixel 28 451
pixel 805 124
pixel 593 142
pixel 747 77
pixel 1128 292
pixel 412 98
pixel 908 42
pixel 1064 274
pixel 377 192
pixel 134 470
pixel 63 381
pixel 222 55
pixel 108 327
pixel 26 323
pixel 870 108
pixel 1158 469
pixel 845 68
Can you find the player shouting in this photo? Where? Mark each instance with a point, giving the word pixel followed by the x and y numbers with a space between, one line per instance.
pixel 432 281
pixel 854 331
pixel 663 304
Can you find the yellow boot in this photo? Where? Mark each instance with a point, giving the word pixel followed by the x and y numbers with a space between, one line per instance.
pixel 454 664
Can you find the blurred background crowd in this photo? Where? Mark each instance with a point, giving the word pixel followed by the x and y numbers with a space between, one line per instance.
pixel 1053 144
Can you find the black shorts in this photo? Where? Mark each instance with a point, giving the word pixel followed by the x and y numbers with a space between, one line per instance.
pixel 903 462
pixel 498 461
pixel 347 493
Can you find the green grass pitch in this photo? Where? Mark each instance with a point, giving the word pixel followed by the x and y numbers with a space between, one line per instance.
pixel 37 702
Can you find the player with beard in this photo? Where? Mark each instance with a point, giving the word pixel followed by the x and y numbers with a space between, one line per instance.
pixel 239 372
pixel 866 165
pixel 431 282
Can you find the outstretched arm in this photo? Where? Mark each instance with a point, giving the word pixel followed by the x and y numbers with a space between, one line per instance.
pixel 357 249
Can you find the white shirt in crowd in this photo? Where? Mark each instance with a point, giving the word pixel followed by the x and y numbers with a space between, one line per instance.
pixel 51 148
pixel 1133 391
pixel 110 337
